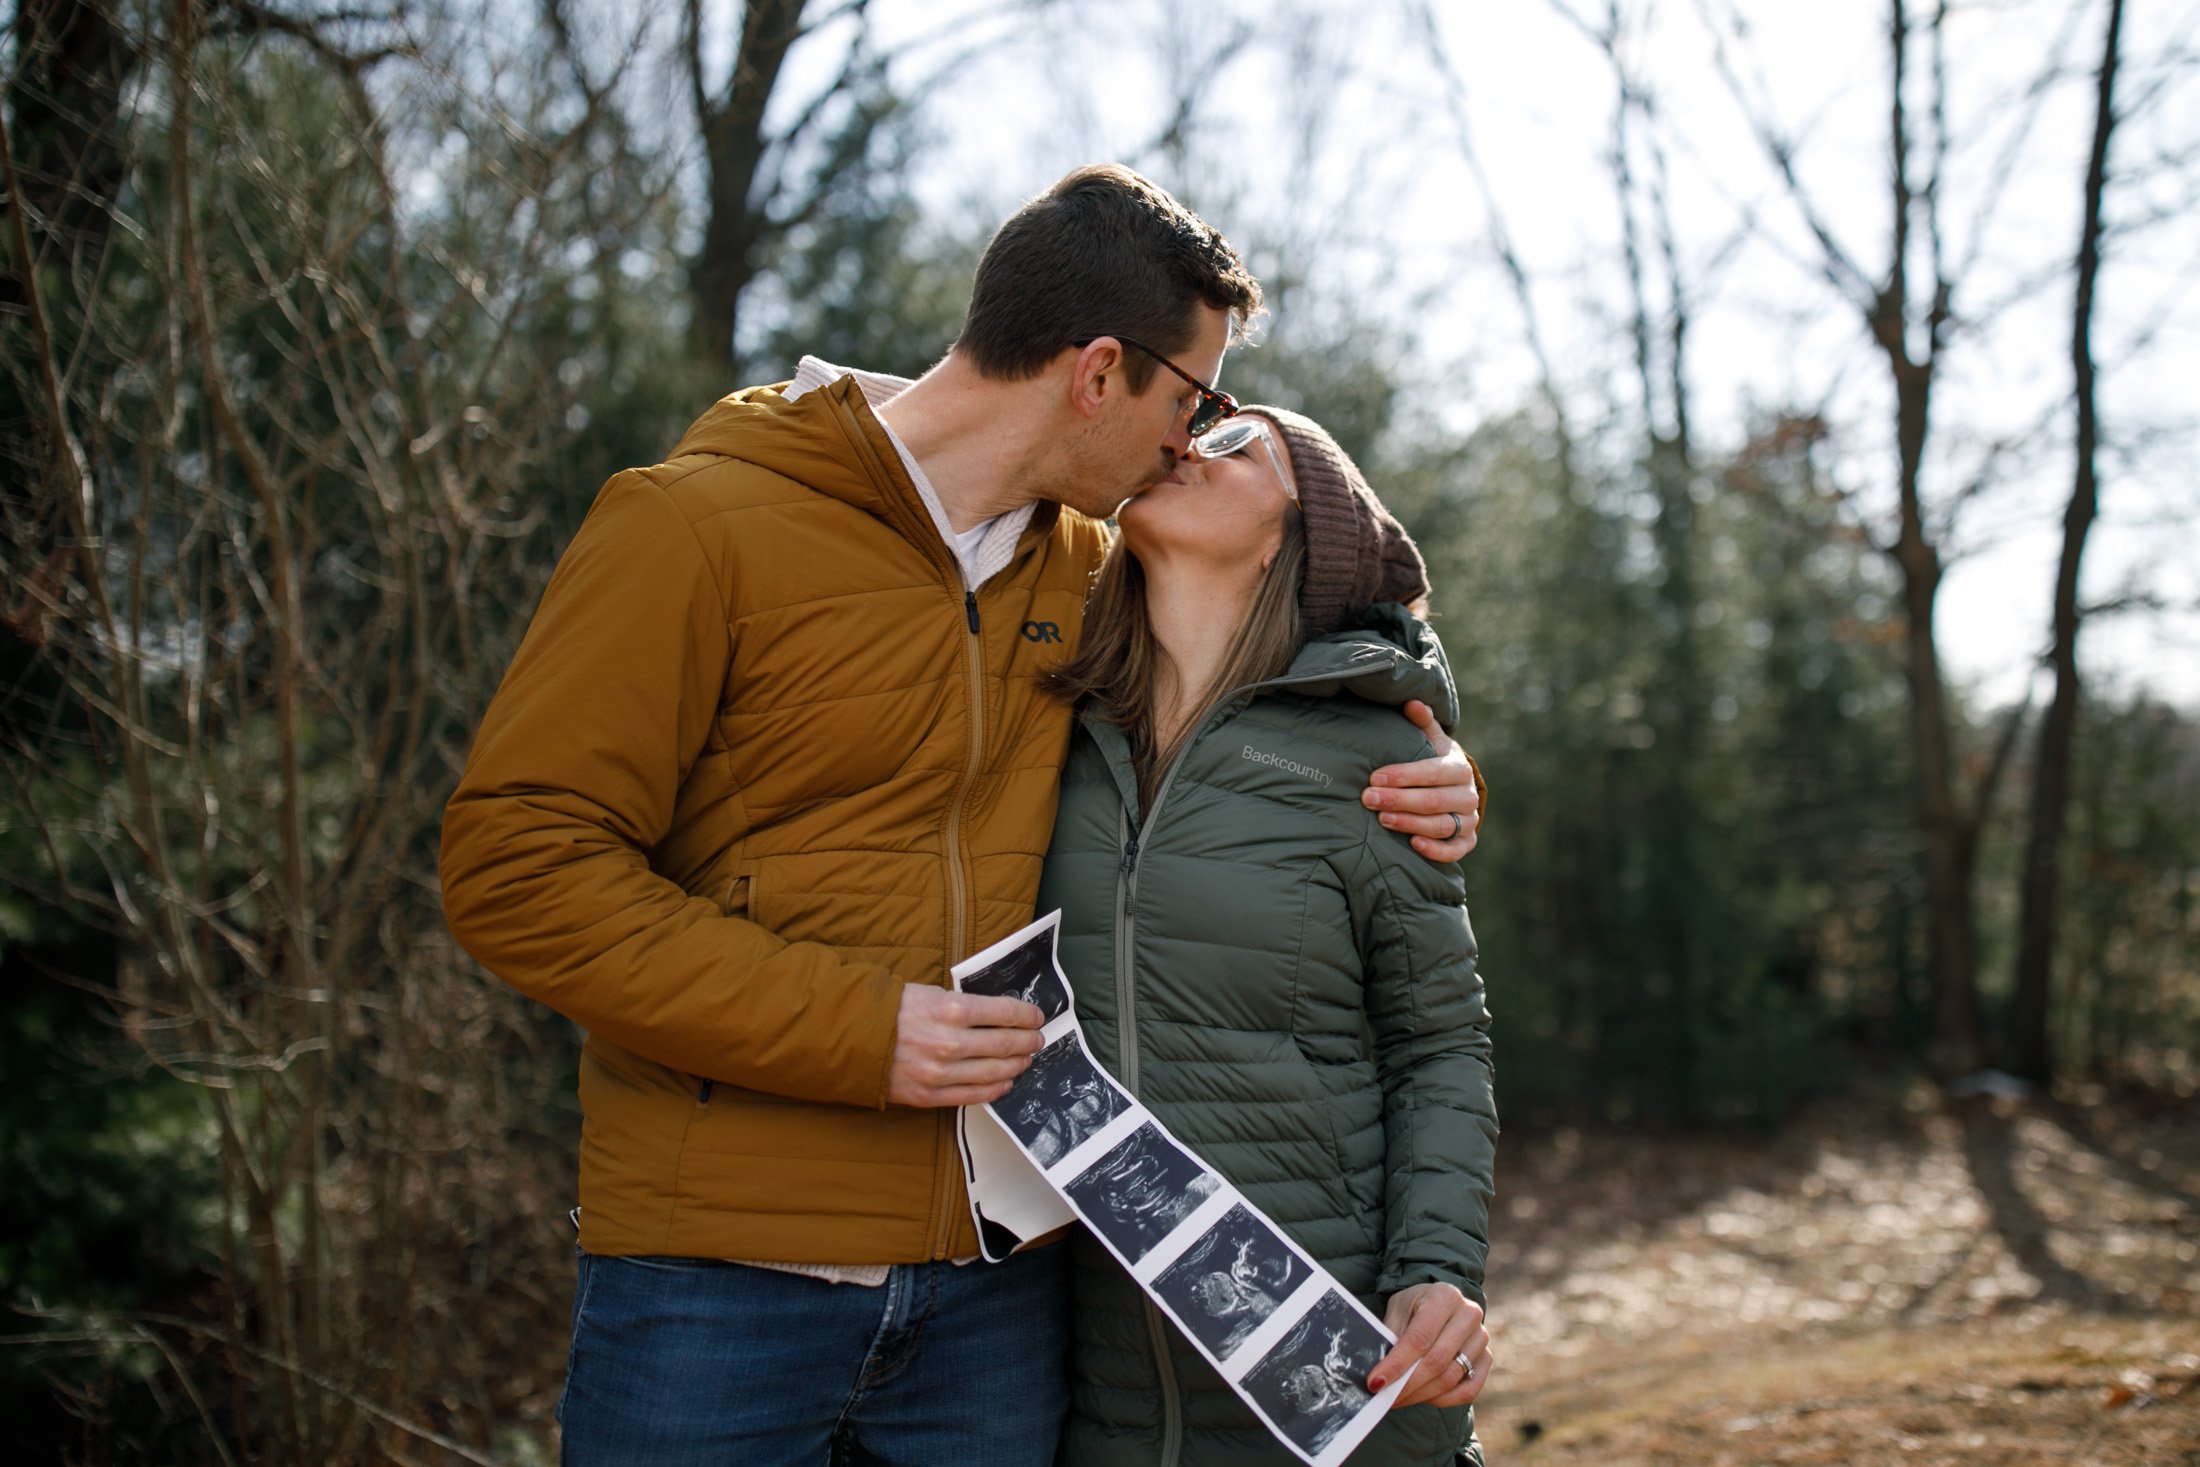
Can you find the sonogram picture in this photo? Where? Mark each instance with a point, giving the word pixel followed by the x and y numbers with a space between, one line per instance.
pixel 1067 1140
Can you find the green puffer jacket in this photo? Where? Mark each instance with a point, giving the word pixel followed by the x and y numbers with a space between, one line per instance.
pixel 1291 988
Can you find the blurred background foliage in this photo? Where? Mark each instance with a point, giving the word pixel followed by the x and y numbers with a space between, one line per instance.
pixel 322 329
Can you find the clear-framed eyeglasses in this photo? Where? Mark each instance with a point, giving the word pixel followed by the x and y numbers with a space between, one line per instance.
pixel 1236 435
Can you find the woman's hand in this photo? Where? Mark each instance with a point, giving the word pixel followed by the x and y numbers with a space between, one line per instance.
pixel 1435 1325
pixel 1437 801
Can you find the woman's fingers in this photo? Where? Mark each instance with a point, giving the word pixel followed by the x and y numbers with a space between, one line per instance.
pixel 1424 719
pixel 1403 1317
pixel 1470 1386
pixel 1440 1373
pixel 1434 1323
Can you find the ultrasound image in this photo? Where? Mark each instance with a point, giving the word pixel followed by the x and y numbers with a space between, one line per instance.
pixel 1026 973
pixel 1230 1281
pixel 1138 1192
pixel 1059 1103
pixel 1315 1381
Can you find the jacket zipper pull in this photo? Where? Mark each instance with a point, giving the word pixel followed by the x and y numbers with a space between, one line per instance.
pixel 970 609
pixel 1130 856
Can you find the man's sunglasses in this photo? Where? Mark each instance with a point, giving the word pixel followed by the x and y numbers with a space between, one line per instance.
pixel 1236 436
pixel 1213 406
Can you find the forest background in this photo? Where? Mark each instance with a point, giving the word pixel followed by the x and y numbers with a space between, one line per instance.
pixel 1796 414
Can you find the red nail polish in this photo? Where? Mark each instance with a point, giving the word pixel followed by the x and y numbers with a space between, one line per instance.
pixel 1377 1383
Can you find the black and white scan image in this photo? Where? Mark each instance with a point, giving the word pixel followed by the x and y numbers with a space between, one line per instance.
pixel 1060 1103
pixel 1137 1193
pixel 1315 1381
pixel 1027 973
pixel 1231 1280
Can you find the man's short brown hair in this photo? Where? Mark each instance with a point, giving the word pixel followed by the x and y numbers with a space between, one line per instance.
pixel 1102 253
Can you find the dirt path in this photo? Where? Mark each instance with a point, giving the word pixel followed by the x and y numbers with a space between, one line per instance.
pixel 1986 1282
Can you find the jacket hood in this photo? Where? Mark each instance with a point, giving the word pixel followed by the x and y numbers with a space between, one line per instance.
pixel 827 439
pixel 1384 654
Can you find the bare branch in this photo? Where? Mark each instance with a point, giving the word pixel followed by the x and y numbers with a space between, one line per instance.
pixel 1839 269
pixel 246 17
pixel 2026 108
pixel 691 58
pixel 1516 273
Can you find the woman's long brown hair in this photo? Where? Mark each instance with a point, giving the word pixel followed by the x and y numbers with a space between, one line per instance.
pixel 1118 663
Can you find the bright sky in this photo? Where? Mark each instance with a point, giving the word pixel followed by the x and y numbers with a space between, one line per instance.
pixel 1335 132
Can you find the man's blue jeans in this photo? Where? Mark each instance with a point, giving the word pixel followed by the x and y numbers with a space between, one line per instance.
pixel 705 1364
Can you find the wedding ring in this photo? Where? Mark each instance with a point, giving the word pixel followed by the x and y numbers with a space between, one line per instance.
pixel 1465 1367
pixel 1457 825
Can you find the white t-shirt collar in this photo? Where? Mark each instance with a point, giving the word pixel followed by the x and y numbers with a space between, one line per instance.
pixel 984 550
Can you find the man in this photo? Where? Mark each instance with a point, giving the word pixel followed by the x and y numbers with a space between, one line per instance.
pixel 771 758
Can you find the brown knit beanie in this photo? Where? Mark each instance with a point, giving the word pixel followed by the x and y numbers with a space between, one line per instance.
pixel 1356 553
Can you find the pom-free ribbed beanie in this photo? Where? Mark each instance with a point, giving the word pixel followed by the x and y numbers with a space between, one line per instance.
pixel 1357 553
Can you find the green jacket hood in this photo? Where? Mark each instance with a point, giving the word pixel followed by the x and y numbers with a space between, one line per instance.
pixel 1384 654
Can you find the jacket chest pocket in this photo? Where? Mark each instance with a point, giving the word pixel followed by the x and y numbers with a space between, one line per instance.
pixel 844 698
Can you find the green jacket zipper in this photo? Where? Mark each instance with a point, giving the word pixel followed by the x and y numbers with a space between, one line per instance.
pixel 1126 1044
pixel 1126 884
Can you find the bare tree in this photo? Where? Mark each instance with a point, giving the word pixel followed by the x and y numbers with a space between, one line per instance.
pixel 64 163
pixel 761 184
pixel 1906 304
pixel 2030 1055
pixel 1501 237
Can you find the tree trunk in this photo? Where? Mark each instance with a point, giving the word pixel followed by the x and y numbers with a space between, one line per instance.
pixel 1951 932
pixel 1676 696
pixel 67 108
pixel 1948 832
pixel 62 137
pixel 2029 1052
pixel 734 144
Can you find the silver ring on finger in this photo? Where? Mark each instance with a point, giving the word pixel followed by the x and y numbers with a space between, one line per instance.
pixel 1457 825
pixel 1466 1366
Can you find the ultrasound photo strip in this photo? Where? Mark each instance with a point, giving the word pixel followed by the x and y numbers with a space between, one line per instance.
pixel 1293 1343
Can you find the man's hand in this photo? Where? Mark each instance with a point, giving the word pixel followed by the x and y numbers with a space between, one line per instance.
pixel 1435 1325
pixel 960 1048
pixel 1420 798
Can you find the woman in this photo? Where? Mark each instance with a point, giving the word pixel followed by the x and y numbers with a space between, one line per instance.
pixel 1286 984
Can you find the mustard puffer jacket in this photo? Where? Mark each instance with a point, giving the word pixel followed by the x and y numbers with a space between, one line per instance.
pixel 759 762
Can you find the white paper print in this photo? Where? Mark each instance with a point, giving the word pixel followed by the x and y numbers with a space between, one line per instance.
pixel 1010 1200
pixel 1066 1141
pixel 1139 1192
pixel 1026 971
